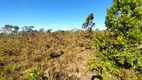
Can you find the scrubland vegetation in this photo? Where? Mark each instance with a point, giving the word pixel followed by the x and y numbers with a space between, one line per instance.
pixel 62 52
pixel 111 54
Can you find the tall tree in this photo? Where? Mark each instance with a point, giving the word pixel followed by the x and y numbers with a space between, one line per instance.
pixel 88 24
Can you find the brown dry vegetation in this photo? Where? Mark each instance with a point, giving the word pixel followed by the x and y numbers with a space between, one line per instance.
pixel 68 57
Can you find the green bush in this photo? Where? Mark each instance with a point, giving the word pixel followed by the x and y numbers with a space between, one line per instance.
pixel 114 53
pixel 120 45
pixel 36 73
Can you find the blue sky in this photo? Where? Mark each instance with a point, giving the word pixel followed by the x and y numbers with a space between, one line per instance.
pixel 52 14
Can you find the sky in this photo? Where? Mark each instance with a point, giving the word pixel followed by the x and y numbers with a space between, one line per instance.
pixel 53 14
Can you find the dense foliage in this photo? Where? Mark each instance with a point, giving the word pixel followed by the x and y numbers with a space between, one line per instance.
pixel 121 44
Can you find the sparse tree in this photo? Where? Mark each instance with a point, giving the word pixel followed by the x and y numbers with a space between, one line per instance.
pixel 49 31
pixel 41 30
pixel 27 28
pixel 7 28
pixel 88 24
pixel 16 28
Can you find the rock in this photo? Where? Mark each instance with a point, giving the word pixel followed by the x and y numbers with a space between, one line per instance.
pixel 56 54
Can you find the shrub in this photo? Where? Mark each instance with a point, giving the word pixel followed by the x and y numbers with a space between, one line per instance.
pixel 36 73
pixel 120 46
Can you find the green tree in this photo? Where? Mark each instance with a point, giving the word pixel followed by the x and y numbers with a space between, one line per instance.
pixel 124 15
pixel 7 29
pixel 121 44
pixel 88 24
pixel 49 31
pixel 16 28
pixel 124 21
pixel 27 28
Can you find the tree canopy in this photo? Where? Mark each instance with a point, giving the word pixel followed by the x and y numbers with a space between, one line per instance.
pixel 88 24
pixel 124 15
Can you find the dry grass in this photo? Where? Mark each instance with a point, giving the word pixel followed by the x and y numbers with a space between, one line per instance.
pixel 26 51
